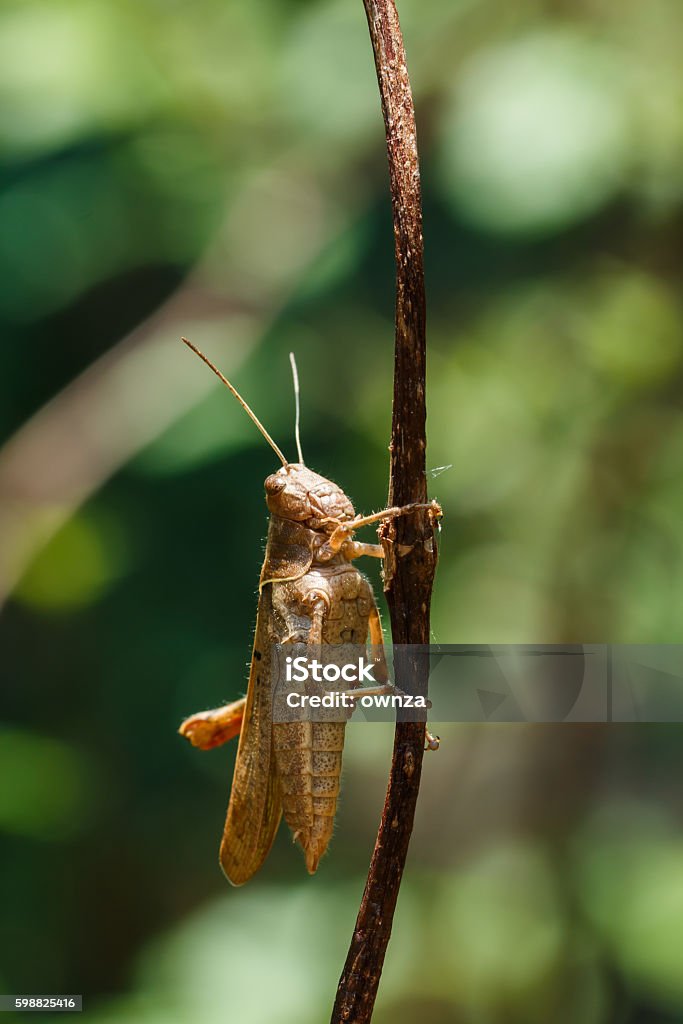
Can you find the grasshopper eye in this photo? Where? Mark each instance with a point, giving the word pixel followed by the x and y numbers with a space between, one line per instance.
pixel 274 484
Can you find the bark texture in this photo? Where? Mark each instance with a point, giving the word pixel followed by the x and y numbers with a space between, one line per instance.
pixel 409 540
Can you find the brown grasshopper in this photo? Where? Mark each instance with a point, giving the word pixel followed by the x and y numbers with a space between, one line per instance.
pixel 309 592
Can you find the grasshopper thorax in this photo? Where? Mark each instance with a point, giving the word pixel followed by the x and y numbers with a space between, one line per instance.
pixel 295 492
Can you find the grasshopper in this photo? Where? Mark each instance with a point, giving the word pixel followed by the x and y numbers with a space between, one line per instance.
pixel 309 592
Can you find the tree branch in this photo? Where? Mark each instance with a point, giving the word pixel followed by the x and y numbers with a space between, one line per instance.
pixel 408 540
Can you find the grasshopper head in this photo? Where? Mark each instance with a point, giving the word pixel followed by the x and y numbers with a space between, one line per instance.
pixel 297 493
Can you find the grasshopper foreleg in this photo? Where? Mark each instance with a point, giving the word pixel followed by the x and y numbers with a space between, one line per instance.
pixel 340 539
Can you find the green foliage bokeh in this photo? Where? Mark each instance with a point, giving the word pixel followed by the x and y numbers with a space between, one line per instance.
pixel 217 169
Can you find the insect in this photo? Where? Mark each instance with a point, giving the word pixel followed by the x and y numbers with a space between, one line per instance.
pixel 309 592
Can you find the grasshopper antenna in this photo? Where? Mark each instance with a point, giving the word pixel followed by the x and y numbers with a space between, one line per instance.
pixel 239 398
pixel 295 378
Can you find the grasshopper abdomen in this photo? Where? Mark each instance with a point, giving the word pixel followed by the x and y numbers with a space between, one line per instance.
pixel 308 754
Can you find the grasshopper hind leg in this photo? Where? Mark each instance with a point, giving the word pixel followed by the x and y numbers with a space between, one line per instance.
pixel 209 729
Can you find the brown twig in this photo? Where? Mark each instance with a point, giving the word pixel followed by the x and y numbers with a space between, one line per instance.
pixel 409 540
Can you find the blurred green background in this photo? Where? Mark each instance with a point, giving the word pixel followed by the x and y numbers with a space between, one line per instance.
pixel 217 169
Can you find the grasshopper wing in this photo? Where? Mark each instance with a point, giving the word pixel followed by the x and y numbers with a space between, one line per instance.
pixel 255 806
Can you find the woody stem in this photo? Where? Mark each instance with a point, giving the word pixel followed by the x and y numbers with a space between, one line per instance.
pixel 409 571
